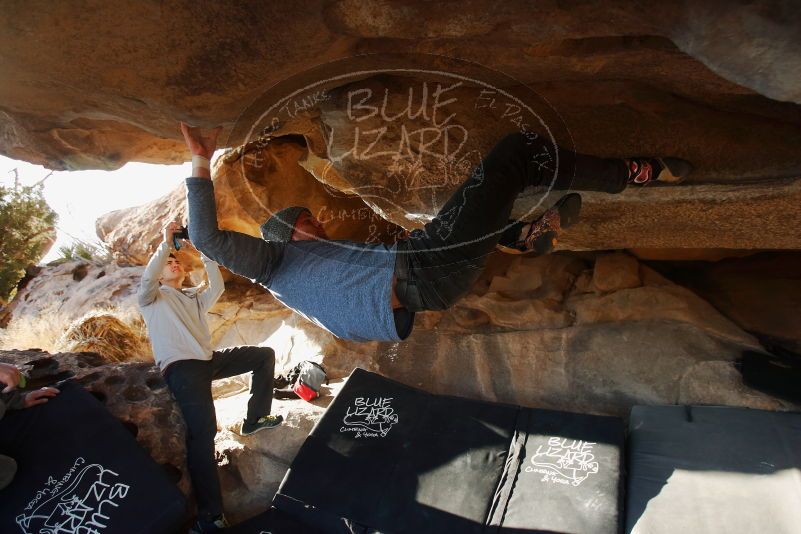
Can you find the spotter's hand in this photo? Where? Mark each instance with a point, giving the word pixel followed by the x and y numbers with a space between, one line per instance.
pixel 10 376
pixel 40 396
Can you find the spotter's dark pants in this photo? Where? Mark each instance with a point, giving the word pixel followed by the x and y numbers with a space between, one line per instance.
pixel 437 265
pixel 190 384
pixel 8 468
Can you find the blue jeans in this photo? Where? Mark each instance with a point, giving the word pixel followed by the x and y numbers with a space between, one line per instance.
pixel 437 265
pixel 190 384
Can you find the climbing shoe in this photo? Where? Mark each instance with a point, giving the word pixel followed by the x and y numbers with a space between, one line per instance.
pixel 268 421
pixel 541 235
pixel 643 171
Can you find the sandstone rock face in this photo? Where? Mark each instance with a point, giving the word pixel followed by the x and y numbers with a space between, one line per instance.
pixel 132 235
pixel 520 305
pixel 61 294
pixel 684 217
pixel 56 300
pixel 564 346
pixel 735 31
pixel 78 95
pixel 386 151
pixel 619 79
pixel 252 186
pixel 616 271
pixel 248 190
pixel 760 293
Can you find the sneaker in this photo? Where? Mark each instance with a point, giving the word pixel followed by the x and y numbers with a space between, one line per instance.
pixel 215 524
pixel 268 421
pixel 541 235
pixel 668 170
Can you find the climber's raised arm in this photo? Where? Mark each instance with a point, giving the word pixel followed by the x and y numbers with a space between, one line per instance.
pixel 216 284
pixel 202 147
pixel 243 254
pixel 149 285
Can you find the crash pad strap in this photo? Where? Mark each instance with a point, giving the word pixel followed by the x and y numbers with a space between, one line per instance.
pixel 506 484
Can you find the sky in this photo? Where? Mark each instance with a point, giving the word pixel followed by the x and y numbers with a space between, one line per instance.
pixel 80 197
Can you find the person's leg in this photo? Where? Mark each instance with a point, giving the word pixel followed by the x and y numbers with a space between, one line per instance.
pixel 190 384
pixel 8 468
pixel 483 203
pixel 438 264
pixel 260 362
pixel 539 236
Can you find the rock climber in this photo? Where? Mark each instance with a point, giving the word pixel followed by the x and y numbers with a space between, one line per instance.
pixel 368 291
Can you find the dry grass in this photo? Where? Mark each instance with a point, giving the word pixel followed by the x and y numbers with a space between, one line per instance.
pixel 118 335
pixel 107 335
pixel 40 332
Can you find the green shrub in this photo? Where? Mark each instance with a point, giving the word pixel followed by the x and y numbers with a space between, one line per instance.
pixel 81 250
pixel 28 228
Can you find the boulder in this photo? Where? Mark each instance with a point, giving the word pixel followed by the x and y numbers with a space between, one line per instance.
pixel 53 300
pixel 566 346
pixel 133 234
pixel 759 293
pixel 619 79
pixel 249 188
pixel 616 271
pixel 123 102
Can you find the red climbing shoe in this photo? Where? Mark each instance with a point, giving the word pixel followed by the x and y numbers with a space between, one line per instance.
pixel 643 171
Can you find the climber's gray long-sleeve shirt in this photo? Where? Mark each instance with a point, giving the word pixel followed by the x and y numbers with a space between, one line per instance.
pixel 176 320
pixel 344 287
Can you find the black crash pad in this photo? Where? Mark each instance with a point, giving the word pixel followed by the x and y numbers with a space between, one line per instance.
pixel 713 470
pixel 81 471
pixel 272 521
pixel 387 457
pixel 568 477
